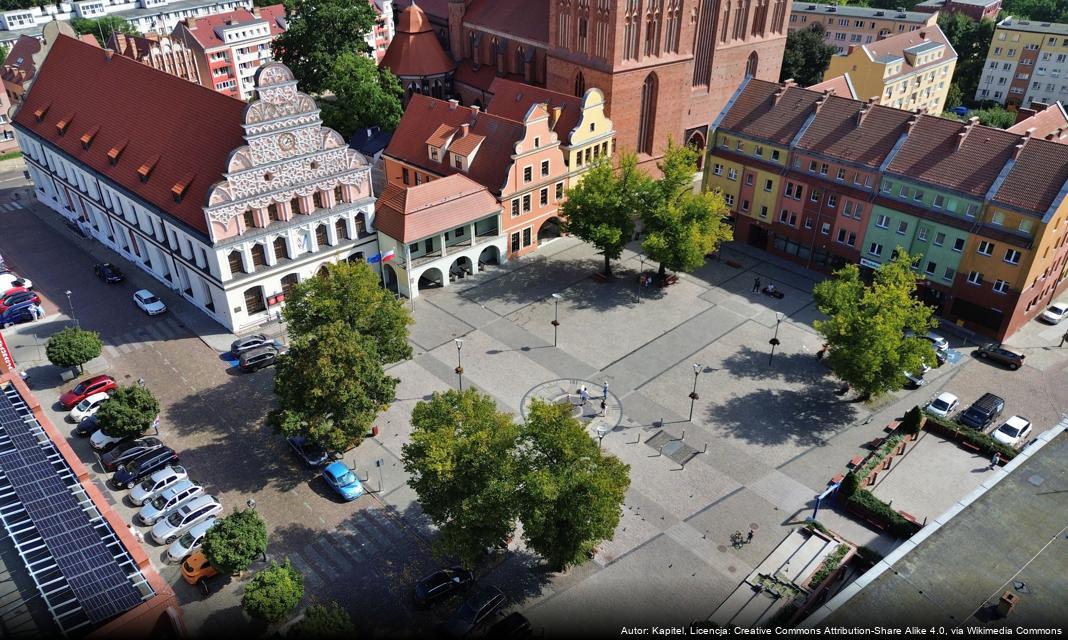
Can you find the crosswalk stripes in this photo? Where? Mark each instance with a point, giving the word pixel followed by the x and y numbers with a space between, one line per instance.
pixel 312 555
pixel 10 206
pixel 310 576
pixel 126 343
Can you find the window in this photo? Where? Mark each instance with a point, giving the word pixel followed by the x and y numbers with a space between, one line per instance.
pixel 931 267
pixel 745 203
pixel 840 175
pixel 759 152
pixel 949 274
pixel 341 230
pixel 883 222
pixel 248 219
pixel 763 212
pixel 544 168
pixel 958 245
pixel 254 302
pixel 972 210
pixel 832 200
pixel 985 248
pixel 774 152
pixel 768 185
pixel 647 114
pixel 729 199
pixel 717 169
pixel 940 239
pixel 281 250
pixel 902 228
pixel 732 174
pixel 236 264
pixel 939 201
pixel 259 255
pixel 526 203
pixel 825 228
pixel 824 169
pixel 559 190
pixel 1026 226
pixel 918 196
pixel 317 199
pixel 294 205
pixel 749 179
pixel 998 218
pixel 812 166
pixel 528 174
pixel 875 249
pixel 515 207
pixel 921 235
pixel 526 237
pixel 1001 286
pixel 739 146
pixel 814 196
pixel 975 278
pixel 808 223
pixel 1012 256
pixel 321 236
pixel 543 197
pixel 515 242
pixel 904 191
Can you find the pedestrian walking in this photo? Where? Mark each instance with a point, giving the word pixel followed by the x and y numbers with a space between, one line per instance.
pixel 604 406
pixel 749 537
pixel 584 395
pixel 604 389
pixel 135 533
pixel 756 285
pixel 995 460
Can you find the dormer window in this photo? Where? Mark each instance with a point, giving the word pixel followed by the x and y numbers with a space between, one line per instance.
pixel 458 162
pixel 434 154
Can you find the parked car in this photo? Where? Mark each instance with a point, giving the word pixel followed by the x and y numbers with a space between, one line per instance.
pixel 167 501
pixel 1014 432
pixel 943 405
pixel 127 451
pixel 982 412
pixel 103 442
pixel 258 358
pixel 1055 312
pixel 86 388
pixel 442 584
pixel 18 298
pixel 86 408
pixel 1001 355
pixel 939 343
pixel 149 303
pixel 10 279
pixel 239 346
pixel 17 315
pixel 186 517
pixel 87 427
pixel 474 612
pixel 108 272
pixel 196 567
pixel 12 291
pixel 916 379
pixel 343 481
pixel 189 542
pixel 127 474
pixel 156 483
pixel 513 625
pixel 312 454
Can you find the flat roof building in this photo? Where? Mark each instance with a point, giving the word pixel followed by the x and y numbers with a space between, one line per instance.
pixel 849 25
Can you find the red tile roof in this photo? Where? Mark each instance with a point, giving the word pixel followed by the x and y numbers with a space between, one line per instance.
pixel 424 116
pixel 436 8
pixel 838 131
pixel 513 100
pixel 412 213
pixel 1037 177
pixel 145 113
pixel 527 19
pixel 757 113
pixel 482 79
pixel 840 86
pixel 464 145
pixel 895 46
pixel 1050 124
pixel 204 29
pixel 19 67
pixel 415 51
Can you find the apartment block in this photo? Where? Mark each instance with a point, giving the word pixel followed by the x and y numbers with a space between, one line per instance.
pixel 847 25
pixel 910 70
pixel 974 9
pixel 824 181
pixel 1027 62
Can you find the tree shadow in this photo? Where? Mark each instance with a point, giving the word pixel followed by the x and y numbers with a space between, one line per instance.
pixel 799 368
pixel 772 417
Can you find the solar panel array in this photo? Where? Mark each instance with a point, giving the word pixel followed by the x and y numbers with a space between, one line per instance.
pixel 102 588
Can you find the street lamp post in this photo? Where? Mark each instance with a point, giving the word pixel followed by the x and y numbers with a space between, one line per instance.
pixel 72 314
pixel 602 431
pixel 641 275
pixel 693 394
pixel 556 315
pixel 459 366
pixel 774 342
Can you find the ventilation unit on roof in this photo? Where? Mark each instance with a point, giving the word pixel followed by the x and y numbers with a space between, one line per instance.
pixel 145 170
pixel 64 124
pixel 42 111
pixel 115 153
pixel 87 138
pixel 179 188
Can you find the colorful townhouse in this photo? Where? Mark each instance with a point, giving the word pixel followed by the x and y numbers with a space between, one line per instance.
pixel 1027 62
pixel 824 180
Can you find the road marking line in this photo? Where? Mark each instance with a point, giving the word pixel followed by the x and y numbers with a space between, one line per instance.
pixel 126 347
pixel 312 555
pixel 155 334
pixel 331 552
pixel 111 351
pixel 306 570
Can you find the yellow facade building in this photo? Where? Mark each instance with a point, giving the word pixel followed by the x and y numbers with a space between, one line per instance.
pixel 907 71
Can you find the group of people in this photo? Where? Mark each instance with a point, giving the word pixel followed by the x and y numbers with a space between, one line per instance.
pixel 584 396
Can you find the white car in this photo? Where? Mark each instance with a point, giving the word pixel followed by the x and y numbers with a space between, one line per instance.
pixel 167 502
pixel 149 303
pixel 156 483
pixel 1015 430
pixel 186 517
pixel 87 407
pixel 8 281
pixel 1055 313
pixel 938 342
pixel 189 542
pixel 943 405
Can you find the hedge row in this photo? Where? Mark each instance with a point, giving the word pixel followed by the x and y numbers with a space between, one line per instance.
pixel 897 525
pixel 987 445
pixel 830 563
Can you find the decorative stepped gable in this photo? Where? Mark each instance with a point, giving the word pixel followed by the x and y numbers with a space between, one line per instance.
pixel 288 153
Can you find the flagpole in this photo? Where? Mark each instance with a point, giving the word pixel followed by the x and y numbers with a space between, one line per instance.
pixel 408 273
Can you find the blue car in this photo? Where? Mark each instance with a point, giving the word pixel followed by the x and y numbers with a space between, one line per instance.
pixel 342 480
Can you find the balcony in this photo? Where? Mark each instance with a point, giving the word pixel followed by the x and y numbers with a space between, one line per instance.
pixel 458 243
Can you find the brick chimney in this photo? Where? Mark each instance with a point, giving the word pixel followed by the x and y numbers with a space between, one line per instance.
pixel 911 123
pixel 255 11
pixel 962 135
pixel 453 103
pixel 775 97
pixel 465 128
pixel 1018 149
pixel 865 109
pixel 109 53
pixel 120 43
pixel 822 100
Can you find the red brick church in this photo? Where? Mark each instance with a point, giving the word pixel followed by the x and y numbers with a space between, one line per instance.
pixel 666 67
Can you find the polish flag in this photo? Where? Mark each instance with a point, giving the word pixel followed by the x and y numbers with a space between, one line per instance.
pixel 387 256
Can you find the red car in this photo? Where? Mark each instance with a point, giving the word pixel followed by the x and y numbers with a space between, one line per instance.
pixel 18 298
pixel 13 291
pixel 86 388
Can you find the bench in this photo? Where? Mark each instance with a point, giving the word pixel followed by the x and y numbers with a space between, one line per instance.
pixel 970 446
pixel 890 428
pixel 669 280
pixel 908 516
pixel 837 478
pixel 874 444
pixel 886 463
pixel 901 449
pixel 881 526
pixel 872 477
pixel 855 461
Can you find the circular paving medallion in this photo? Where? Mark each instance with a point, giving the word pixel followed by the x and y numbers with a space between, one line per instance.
pixel 568 392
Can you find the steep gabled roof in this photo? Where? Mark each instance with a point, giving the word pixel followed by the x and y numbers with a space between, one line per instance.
pixel 415 51
pixel 412 213
pixel 19 67
pixel 1050 124
pixel 757 112
pixel 1037 177
pixel 513 100
pixel 149 116
pixel 839 130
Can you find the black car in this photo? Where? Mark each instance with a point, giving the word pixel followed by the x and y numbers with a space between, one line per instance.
pixel 982 412
pixel 87 427
pixel 126 451
pixel 129 473
pixel 513 625
pixel 313 455
pixel 258 358
pixel 474 612
pixel 442 584
pixel 1001 355
pixel 108 272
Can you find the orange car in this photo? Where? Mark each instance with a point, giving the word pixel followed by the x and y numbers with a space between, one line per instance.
pixel 196 568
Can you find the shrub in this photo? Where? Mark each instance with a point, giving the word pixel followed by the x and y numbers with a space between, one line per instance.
pixel 850 485
pixel 817 525
pixel 830 564
pixel 273 593
pixel 323 621
pixel 897 525
pixel 130 411
pixel 235 541
pixel 987 445
pixel 913 421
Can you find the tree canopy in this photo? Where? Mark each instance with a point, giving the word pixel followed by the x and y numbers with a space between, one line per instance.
pixel 867 326
pixel 994 116
pixel 323 621
pixel 1040 10
pixel 129 411
pixel 971 40
pixel 807 55
pixel 350 293
pixel 273 592
pixel 73 347
pixel 364 95
pixel 571 494
pixel 102 28
pixel 235 541
pixel 603 208
pixel 462 466
pixel 330 386
pixel 318 33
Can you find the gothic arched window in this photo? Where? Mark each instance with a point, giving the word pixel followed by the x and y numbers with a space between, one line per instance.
pixel 647 117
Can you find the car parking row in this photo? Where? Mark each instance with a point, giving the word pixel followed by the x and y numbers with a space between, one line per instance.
pixel 982 415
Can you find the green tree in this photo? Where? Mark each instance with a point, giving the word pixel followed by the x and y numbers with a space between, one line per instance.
pixel 954 96
pixel 350 293
pixel 102 28
pixel 684 226
pixel 807 55
pixel 913 420
pixel 235 541
pixel 603 207
pixel 364 95
pixel 462 463
pixel 4 52
pixel 1040 10
pixel 866 326
pixel 330 387
pixel 571 494
pixel 323 621
pixel 129 411
pixel 318 33
pixel 971 40
pixel 995 116
pixel 73 347
pixel 273 592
